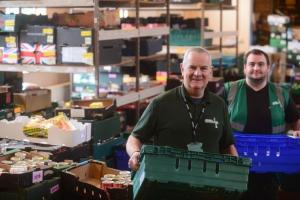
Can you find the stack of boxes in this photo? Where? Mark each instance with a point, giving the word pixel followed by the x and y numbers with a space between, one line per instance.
pixel 8 48
pixel 278 30
pixel 8 40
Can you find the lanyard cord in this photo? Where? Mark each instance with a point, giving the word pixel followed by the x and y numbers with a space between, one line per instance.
pixel 195 123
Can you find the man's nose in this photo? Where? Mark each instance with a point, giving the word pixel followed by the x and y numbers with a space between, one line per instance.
pixel 197 71
pixel 256 66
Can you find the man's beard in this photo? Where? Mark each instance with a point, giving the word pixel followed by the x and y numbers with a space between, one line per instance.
pixel 256 81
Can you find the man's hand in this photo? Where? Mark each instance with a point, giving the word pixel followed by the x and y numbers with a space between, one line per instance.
pixel 133 162
pixel 294 133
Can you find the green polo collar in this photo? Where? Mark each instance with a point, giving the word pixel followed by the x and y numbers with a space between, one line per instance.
pixel 206 97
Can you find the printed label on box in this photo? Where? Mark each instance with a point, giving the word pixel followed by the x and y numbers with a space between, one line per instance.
pixel 8 23
pixel 76 55
pixel 50 39
pixel 88 41
pixel 48 31
pixel 54 189
pixel 10 41
pixel 77 113
pixel 37 176
pixel 86 33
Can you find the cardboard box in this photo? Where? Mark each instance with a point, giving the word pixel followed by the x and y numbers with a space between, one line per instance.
pixel 110 52
pixel 296 32
pixel 7 23
pixel 33 100
pixel 14 130
pixel 38 54
pixel 9 55
pixel 80 109
pixel 8 40
pixel 73 37
pixel 84 182
pixel 75 55
pixel 36 34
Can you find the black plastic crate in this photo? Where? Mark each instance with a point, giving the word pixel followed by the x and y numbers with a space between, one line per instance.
pixel 46 190
pixel 110 52
pixel 80 109
pixel 148 46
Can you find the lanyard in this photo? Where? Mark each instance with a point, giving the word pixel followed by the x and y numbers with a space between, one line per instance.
pixel 195 123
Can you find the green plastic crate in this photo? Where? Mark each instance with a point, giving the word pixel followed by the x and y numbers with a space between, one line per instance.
pixel 278 43
pixel 106 149
pixel 193 174
pixel 105 129
pixel 188 37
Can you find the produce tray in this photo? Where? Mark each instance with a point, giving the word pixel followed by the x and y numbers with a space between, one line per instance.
pixel 80 109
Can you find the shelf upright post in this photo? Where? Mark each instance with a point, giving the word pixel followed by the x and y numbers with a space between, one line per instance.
pixel 137 57
pixel 96 40
pixel 221 39
pixel 202 23
pixel 237 35
pixel 168 21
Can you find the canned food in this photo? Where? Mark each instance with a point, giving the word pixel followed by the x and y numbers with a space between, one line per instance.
pixel 107 184
pixel 119 184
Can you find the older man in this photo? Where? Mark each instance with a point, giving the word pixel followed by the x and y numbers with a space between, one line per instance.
pixel 188 117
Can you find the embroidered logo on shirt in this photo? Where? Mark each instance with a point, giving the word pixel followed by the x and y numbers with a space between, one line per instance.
pixel 275 103
pixel 212 121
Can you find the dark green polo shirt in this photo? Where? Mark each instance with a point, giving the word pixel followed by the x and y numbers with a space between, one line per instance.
pixel 166 121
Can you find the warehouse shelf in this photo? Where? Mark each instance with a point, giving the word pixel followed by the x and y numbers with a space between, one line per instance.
pixel 72 69
pixel 210 35
pixel 201 6
pixel 47 3
pixel 145 32
pixel 118 34
pixel 132 33
pixel 128 98
pixel 132 97
pixel 152 4
pixel 46 68
pixel 101 35
pixel 192 7
pixel 150 92
pixel 64 3
pixel 179 50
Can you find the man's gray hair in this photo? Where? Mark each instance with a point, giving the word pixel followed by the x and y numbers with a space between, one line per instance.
pixel 197 50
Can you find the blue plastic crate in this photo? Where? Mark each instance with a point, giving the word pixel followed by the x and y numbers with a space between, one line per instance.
pixel 121 158
pixel 270 153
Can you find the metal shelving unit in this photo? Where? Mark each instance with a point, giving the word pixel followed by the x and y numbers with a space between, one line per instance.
pixel 135 33
pixel 202 7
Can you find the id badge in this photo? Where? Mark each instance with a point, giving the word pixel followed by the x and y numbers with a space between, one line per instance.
pixel 195 146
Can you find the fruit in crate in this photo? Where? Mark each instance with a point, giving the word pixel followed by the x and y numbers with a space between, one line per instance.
pixel 38 126
pixel 96 105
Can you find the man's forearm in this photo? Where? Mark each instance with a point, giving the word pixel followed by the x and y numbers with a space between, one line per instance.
pixel 230 150
pixel 133 145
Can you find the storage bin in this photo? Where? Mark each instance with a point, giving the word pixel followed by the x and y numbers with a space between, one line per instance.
pixel 189 175
pixel 270 153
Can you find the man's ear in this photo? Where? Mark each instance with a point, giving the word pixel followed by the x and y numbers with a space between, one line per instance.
pixel 181 68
